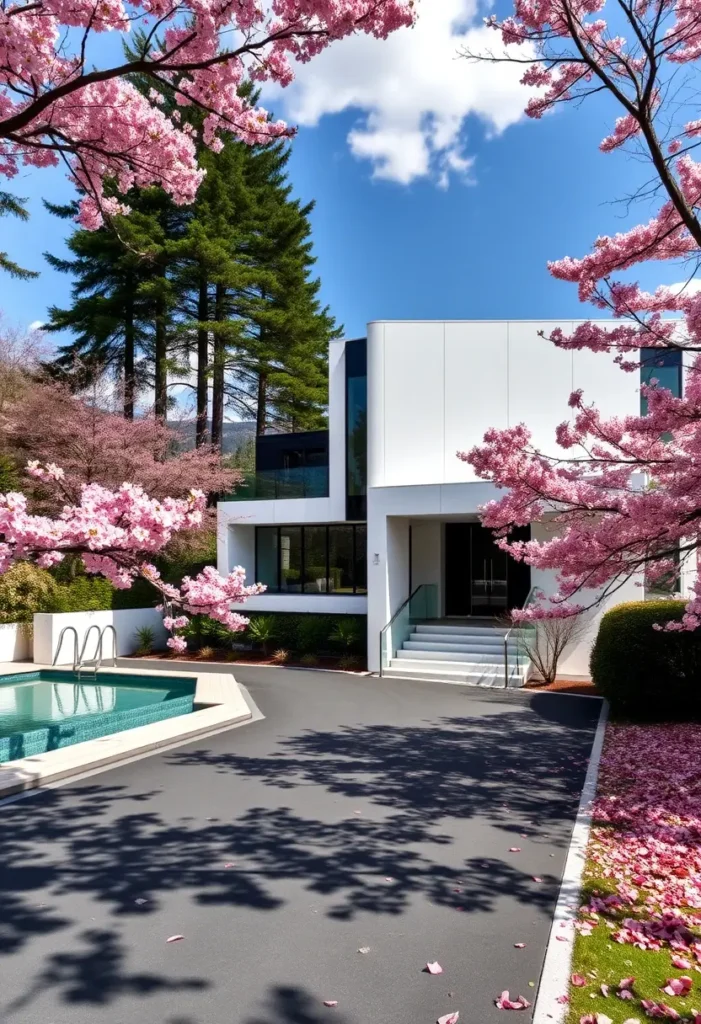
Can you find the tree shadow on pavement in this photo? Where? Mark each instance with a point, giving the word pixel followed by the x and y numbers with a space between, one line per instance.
pixel 288 1004
pixel 415 785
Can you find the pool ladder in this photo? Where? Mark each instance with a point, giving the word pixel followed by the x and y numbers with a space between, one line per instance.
pixel 79 660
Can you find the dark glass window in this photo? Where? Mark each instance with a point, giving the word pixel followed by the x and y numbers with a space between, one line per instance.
pixel 341 559
pixel 361 560
pixel 314 559
pixel 291 559
pixel 267 556
pixel 356 429
pixel 663 365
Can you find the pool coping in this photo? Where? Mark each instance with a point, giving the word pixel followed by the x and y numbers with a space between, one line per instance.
pixel 219 703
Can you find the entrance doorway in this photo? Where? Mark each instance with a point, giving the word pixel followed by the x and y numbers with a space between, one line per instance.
pixel 480 578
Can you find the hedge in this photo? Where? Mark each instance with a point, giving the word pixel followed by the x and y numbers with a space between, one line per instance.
pixel 647 673
pixel 305 632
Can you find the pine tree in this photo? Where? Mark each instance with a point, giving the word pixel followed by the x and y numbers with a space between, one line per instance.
pixel 14 206
pixel 225 283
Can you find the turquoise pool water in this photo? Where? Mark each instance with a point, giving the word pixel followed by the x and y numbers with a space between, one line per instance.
pixel 49 708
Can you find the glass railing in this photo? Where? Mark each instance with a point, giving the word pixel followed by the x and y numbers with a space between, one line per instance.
pixel 422 605
pixel 268 484
pixel 518 641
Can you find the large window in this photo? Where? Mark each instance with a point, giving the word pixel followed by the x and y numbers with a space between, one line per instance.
pixel 312 559
pixel 663 365
pixel 356 429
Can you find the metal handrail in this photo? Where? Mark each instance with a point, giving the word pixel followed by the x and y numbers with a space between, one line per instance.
pixel 76 656
pixel 81 661
pixel 398 612
pixel 114 644
pixel 525 604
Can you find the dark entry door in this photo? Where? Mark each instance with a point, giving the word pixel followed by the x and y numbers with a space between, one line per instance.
pixel 488 573
pixel 480 578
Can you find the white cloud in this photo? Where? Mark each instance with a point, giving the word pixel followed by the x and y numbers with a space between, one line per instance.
pixel 691 287
pixel 413 92
pixel 36 325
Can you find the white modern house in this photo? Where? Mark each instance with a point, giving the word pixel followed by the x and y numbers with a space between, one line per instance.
pixel 378 516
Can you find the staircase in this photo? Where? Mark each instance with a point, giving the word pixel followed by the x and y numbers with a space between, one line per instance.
pixel 459 654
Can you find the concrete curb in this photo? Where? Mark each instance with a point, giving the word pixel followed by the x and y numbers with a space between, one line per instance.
pixel 554 979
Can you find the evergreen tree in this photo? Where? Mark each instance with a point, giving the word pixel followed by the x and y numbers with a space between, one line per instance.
pixel 224 284
pixel 14 206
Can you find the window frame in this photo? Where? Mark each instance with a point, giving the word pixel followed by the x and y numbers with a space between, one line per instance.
pixel 303 574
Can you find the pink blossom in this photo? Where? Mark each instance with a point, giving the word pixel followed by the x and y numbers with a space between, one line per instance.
pixel 52 101
pixel 117 533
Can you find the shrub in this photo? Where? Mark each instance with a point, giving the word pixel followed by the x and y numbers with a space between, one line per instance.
pixel 309 659
pixel 261 630
pixel 24 590
pixel 83 594
pixel 644 672
pixel 345 633
pixel 348 662
pixel 281 656
pixel 145 637
pixel 312 631
pixel 206 652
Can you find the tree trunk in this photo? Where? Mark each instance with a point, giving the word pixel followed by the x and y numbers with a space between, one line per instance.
pixel 129 356
pixel 218 371
pixel 262 411
pixel 202 363
pixel 161 373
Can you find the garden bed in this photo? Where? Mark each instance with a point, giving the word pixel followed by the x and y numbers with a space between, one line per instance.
pixel 637 950
pixel 233 658
pixel 566 686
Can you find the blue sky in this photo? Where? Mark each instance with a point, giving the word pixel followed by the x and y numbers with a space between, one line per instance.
pixel 434 198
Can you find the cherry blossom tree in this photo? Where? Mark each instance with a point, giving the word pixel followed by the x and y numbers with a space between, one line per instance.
pixel 46 423
pixel 56 105
pixel 117 533
pixel 624 493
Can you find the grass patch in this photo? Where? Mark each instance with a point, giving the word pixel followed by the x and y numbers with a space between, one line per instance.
pixel 603 961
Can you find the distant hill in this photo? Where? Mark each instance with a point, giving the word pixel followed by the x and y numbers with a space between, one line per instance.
pixel 235 433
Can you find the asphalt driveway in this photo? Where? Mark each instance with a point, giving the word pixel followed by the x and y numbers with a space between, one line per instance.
pixel 358 814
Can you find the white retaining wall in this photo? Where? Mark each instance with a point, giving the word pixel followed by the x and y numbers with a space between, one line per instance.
pixel 15 641
pixel 47 629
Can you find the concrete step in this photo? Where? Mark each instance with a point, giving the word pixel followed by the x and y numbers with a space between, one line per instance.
pixel 461 643
pixel 428 627
pixel 419 653
pixel 451 672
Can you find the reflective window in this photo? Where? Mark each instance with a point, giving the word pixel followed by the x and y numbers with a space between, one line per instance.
pixel 267 556
pixel 291 559
pixel 341 564
pixel 361 560
pixel 663 365
pixel 315 555
pixel 356 428
pixel 312 559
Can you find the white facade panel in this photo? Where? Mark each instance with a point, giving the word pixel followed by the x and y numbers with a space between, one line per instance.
pixel 414 400
pixel 540 382
pixel 612 390
pixel 476 390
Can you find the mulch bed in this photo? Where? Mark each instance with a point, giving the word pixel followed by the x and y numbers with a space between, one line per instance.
pixel 565 686
pixel 252 658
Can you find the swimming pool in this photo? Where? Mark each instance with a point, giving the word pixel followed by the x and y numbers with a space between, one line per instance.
pixel 49 708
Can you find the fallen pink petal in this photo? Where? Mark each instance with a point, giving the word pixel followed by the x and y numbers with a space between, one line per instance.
pixel 519 945
pixel 449 1018
pixel 562 999
pixel 536 879
pixel 331 1002
pixel 578 980
pixel 626 983
pixel 433 967
pixel 678 986
pixel 604 991
pixel 514 849
pixel 175 938
pixel 681 963
pixel 505 1002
